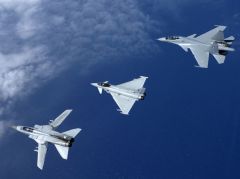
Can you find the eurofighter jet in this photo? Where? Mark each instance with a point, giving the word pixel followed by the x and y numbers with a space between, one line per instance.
pixel 45 134
pixel 211 42
pixel 125 94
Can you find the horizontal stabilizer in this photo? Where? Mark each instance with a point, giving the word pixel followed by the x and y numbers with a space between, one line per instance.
pixel 231 38
pixel 63 151
pixel 73 132
pixel 220 58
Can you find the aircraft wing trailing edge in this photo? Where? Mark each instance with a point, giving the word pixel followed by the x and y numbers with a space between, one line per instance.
pixel 58 121
pixel 124 103
pixel 135 84
pixel 42 150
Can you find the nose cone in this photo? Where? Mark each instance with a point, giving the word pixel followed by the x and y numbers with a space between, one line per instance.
pixel 14 127
pixel 162 39
pixel 17 128
pixel 94 84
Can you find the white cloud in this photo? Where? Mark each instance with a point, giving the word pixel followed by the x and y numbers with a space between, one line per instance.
pixel 3 126
pixel 18 69
pixel 25 10
pixel 40 38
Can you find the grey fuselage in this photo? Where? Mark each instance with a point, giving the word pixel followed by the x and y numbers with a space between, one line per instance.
pixel 135 94
pixel 212 46
pixel 43 134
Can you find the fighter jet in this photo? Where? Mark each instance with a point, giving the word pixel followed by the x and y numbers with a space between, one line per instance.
pixel 211 42
pixel 125 94
pixel 45 134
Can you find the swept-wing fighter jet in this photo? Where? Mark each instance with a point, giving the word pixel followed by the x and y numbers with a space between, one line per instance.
pixel 125 94
pixel 211 42
pixel 45 134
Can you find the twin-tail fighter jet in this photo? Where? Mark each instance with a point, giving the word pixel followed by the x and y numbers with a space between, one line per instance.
pixel 211 42
pixel 125 94
pixel 45 134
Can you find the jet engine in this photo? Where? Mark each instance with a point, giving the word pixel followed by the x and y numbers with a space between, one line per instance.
pixel 143 96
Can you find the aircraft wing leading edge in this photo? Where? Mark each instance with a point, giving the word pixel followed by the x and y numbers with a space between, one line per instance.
pixel 135 84
pixel 214 34
pixel 58 121
pixel 124 103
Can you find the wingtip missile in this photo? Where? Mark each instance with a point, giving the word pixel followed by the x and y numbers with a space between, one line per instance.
pixel 144 77
pixel 197 66
pixel 126 114
pixel 221 27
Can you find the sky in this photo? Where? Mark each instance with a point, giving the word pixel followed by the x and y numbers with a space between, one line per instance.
pixel 186 128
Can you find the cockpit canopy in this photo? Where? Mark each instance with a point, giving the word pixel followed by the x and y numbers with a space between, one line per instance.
pixel 28 129
pixel 104 84
pixel 172 38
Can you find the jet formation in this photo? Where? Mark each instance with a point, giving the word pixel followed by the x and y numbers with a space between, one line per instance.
pixel 211 42
pixel 44 134
pixel 125 94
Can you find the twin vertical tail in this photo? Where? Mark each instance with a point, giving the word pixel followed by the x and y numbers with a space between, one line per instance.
pixel 229 40
pixel 225 46
pixel 62 150
pixel 223 49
